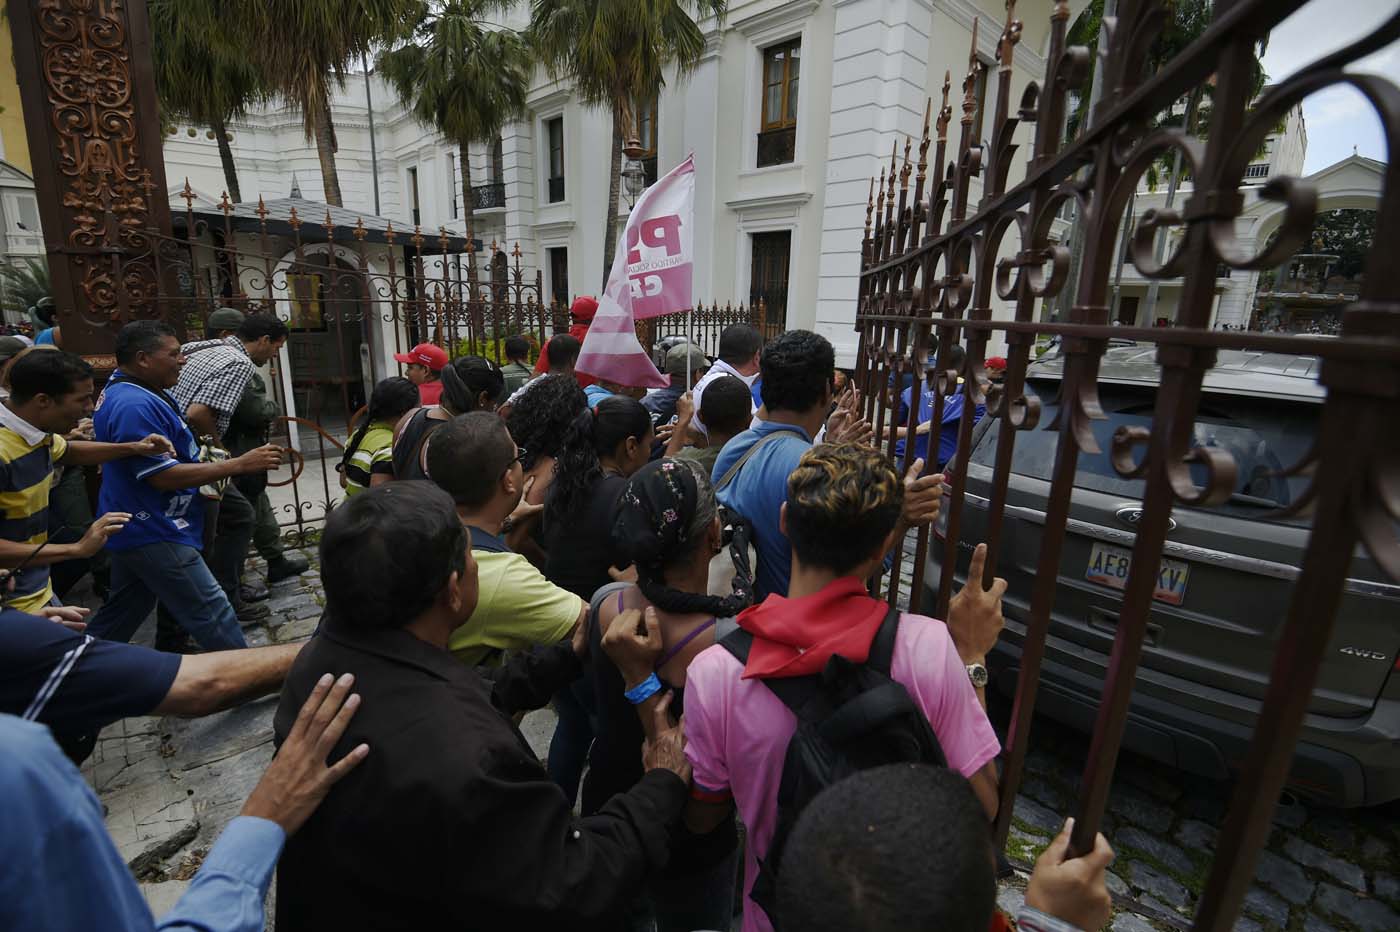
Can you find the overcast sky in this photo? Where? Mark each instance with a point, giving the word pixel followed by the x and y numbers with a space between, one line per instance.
pixel 1338 118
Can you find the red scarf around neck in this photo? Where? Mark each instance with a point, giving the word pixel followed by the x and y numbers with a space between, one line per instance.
pixel 796 637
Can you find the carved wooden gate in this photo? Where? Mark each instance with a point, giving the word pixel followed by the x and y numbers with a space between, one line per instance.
pixel 932 259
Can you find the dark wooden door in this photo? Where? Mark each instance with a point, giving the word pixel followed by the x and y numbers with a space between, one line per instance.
pixel 768 281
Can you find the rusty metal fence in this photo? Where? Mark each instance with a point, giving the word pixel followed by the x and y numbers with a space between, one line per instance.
pixel 355 291
pixel 933 259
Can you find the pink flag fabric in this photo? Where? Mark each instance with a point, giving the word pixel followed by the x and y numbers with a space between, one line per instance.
pixel 651 275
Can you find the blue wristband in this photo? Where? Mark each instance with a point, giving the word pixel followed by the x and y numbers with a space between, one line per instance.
pixel 643 690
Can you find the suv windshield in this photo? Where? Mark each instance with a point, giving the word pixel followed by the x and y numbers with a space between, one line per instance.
pixel 1264 435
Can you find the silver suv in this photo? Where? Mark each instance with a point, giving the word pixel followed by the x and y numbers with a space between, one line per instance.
pixel 1226 578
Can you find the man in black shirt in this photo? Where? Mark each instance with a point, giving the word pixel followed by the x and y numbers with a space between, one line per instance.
pixel 450 822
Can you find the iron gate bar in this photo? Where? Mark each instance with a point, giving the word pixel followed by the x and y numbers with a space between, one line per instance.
pixel 911 284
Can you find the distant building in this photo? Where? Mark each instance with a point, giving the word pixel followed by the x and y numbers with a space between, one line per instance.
pixel 794 107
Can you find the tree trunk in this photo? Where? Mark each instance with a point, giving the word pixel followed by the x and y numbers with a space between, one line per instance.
pixel 614 192
pixel 468 204
pixel 1154 285
pixel 325 151
pixel 226 157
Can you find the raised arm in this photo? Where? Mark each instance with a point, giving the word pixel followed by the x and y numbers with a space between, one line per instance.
pixel 91 453
pixel 192 475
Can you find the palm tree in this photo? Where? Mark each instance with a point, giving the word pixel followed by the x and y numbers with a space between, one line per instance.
pixel 614 52
pixel 462 79
pixel 204 70
pixel 23 284
pixel 306 47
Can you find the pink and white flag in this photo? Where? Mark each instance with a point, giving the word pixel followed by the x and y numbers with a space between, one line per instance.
pixel 651 275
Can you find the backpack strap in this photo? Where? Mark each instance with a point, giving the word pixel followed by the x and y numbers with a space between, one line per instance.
pixel 882 647
pixel 733 471
pixel 794 691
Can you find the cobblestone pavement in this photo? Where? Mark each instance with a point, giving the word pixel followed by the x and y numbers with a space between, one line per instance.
pixel 170 786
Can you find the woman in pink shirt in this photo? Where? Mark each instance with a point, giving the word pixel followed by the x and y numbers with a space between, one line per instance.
pixel 842 506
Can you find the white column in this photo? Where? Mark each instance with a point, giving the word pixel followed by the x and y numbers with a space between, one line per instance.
pixel 518 154
pixel 880 65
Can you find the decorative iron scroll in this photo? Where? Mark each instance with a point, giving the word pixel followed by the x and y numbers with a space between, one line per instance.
pixel 90 114
pixel 930 265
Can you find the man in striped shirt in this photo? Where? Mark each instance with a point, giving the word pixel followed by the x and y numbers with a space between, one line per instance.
pixel 50 392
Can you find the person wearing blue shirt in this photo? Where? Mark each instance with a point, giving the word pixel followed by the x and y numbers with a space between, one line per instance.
pixel 751 473
pixel 157 557
pixel 63 872
pixel 948 425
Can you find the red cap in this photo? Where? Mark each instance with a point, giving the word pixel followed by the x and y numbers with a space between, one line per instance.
pixel 996 362
pixel 425 354
pixel 583 308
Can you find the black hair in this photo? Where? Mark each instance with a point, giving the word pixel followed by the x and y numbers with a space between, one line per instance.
pixel 517 347
pixel 50 372
pixel 468 454
pixel 387 553
pixel 465 379
pixel 738 343
pixel 890 849
pixel 796 368
pixel 141 336
pixel 659 524
pixel 592 434
pixel 257 326
pixel 563 349
pixel 539 420
pixel 956 357
pixel 391 399
pixel 843 500
pixel 726 405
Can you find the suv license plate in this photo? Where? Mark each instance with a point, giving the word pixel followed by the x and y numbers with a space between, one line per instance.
pixel 1109 566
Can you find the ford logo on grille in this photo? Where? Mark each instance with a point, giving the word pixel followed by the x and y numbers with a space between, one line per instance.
pixel 1131 516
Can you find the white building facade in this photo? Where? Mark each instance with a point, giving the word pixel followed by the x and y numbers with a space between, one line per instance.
pixel 793 108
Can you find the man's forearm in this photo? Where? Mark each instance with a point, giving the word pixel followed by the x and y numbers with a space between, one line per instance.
pixel 678 437
pixel 208 683
pixel 12 554
pixel 192 475
pixel 92 453
pixel 529 679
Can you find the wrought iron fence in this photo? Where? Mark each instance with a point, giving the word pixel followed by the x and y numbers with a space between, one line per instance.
pixel 934 257
pixel 355 292
pixel 488 196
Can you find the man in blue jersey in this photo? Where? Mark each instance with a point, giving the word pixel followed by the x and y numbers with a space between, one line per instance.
pixel 158 555
pixel 947 428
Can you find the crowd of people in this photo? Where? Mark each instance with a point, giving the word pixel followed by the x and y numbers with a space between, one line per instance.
pixel 742 729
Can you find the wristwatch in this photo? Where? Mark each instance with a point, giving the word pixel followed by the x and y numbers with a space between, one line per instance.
pixel 978 674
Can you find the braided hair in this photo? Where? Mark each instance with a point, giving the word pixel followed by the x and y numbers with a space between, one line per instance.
pixel 662 519
pixel 592 434
pixel 391 399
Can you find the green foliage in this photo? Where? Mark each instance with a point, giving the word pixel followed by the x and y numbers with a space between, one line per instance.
pixel 22 285
pixel 1346 234
pixel 494 350
pixel 305 47
pixel 204 67
pixel 456 75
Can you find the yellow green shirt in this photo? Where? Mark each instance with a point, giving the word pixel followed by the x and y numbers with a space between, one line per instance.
pixel 517 608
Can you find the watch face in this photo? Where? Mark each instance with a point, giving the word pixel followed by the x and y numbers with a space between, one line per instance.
pixel 978 674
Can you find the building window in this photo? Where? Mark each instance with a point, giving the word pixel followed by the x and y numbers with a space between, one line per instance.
pixel 768 277
pixel 554 130
pixel 646 135
pixel 413 196
pixel 498 162
pixel 452 181
pixel 559 276
pixel 1257 170
pixel 777 137
pixel 1128 310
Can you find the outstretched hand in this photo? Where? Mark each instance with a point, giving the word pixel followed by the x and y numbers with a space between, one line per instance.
pixel 923 496
pixel 974 614
pixel 633 643
pixel 664 747
pixel 1072 889
pixel 298 778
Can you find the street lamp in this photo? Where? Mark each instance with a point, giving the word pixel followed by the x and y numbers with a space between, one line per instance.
pixel 634 176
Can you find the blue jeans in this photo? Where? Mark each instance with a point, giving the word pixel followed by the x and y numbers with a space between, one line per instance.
pixel 573 736
pixel 176 576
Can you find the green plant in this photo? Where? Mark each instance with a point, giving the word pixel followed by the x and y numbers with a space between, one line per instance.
pixel 614 52
pixel 23 284
pixel 494 348
pixel 457 76
pixel 204 69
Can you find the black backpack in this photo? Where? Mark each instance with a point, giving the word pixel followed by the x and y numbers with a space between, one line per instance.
pixel 850 717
